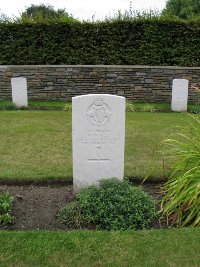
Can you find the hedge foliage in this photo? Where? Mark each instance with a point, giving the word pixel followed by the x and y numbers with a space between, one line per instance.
pixel 142 42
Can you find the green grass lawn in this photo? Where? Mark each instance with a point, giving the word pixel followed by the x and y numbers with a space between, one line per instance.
pixel 180 248
pixel 37 144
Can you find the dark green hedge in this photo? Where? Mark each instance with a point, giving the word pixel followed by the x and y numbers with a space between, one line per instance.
pixel 123 42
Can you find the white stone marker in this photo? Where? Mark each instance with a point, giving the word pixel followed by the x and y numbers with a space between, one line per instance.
pixel 179 95
pixel 98 137
pixel 19 92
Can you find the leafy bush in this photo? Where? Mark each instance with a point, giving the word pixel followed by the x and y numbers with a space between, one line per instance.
pixel 149 108
pixel 113 205
pixel 130 107
pixel 5 208
pixel 196 108
pixel 181 202
pixel 138 42
pixel 146 107
pixel 68 107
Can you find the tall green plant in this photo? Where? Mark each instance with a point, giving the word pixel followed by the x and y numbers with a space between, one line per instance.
pixel 181 201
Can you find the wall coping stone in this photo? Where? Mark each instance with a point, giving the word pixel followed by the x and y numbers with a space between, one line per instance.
pixel 100 66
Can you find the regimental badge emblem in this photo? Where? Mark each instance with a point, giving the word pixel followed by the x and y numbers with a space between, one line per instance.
pixel 99 113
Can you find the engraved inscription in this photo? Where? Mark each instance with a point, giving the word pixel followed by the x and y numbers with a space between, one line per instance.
pixel 98 160
pixel 98 113
pixel 100 156
pixel 98 137
pixel 97 140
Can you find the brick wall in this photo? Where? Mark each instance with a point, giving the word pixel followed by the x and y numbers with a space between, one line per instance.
pixel 62 82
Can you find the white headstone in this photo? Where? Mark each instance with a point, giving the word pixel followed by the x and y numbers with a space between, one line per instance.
pixel 19 92
pixel 98 135
pixel 179 95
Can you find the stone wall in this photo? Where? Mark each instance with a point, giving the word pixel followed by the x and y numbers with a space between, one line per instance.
pixel 62 82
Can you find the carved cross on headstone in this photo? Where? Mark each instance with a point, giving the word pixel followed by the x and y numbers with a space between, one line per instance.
pixel 99 156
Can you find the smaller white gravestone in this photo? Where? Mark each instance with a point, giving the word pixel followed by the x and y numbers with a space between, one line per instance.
pixel 98 137
pixel 179 95
pixel 19 92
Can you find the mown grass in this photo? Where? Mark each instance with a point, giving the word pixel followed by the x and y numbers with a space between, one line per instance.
pixel 37 144
pixel 100 248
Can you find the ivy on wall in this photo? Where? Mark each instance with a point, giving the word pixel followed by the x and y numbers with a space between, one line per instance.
pixel 147 42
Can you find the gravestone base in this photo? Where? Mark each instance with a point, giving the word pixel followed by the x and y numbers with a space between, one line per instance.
pixel 180 105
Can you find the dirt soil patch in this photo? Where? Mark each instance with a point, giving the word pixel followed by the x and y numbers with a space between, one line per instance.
pixel 36 206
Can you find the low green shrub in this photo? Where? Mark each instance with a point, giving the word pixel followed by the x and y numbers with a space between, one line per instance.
pixel 196 108
pixel 5 208
pixel 130 107
pixel 68 107
pixel 148 108
pixel 7 105
pixel 112 205
pixel 181 201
